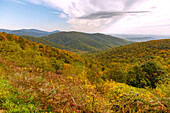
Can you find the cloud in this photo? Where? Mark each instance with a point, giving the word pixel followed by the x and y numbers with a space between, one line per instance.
pixel 89 25
pixel 155 22
pixel 101 15
pixel 40 2
pixel 61 15
pixel 109 15
pixel 155 26
pixel 91 14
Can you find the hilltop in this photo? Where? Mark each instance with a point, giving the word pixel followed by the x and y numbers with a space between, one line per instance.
pixel 85 41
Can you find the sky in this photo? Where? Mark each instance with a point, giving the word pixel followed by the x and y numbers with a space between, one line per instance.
pixel 104 16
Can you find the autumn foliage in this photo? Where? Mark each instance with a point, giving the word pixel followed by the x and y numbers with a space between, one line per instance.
pixel 38 78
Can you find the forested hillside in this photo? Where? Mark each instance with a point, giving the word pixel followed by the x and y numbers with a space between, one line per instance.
pixel 132 64
pixel 39 47
pixel 37 78
pixel 141 51
pixel 48 43
pixel 86 42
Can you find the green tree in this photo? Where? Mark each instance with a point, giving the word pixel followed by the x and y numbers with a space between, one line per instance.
pixel 154 72
pixel 148 74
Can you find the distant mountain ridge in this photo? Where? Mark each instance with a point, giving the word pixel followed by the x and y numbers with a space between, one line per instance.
pixel 29 32
pixel 141 38
pixel 85 41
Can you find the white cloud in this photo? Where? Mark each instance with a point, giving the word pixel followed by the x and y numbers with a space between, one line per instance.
pixel 89 25
pixel 155 22
pixel 62 15
pixel 110 15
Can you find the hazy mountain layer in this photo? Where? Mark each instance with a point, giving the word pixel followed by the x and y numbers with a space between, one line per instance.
pixel 29 32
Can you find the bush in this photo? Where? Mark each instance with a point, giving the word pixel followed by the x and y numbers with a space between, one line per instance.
pixel 115 72
pixel 147 74
pixel 57 64
pixel 136 77
pixel 154 72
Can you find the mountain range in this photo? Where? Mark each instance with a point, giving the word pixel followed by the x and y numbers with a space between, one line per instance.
pixel 29 32
pixel 85 41
pixel 72 41
pixel 129 37
pixel 141 37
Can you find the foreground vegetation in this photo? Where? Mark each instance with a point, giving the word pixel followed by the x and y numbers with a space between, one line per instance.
pixel 38 78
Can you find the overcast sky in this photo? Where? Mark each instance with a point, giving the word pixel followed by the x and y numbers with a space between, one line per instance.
pixel 105 16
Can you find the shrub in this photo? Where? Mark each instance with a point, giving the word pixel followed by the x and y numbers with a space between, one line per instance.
pixel 154 72
pixel 115 72
pixel 57 64
pixel 148 74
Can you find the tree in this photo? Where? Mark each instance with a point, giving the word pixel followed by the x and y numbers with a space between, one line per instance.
pixel 148 74
pixel 154 72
